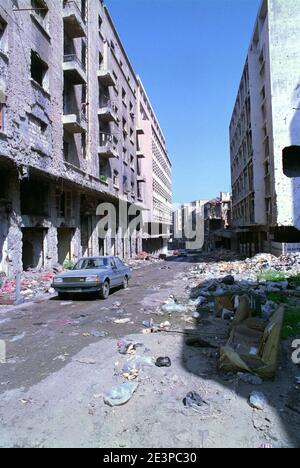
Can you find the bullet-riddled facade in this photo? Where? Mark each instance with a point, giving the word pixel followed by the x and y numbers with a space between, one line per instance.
pixel 68 133
pixel 265 134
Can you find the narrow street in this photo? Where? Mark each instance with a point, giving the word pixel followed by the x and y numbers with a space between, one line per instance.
pixel 62 358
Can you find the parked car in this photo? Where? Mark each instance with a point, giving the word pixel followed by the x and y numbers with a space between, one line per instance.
pixel 93 275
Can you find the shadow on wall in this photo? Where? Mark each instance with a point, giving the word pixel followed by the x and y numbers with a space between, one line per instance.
pixel 201 359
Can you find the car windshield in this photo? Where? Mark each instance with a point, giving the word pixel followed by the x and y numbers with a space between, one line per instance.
pixel 91 263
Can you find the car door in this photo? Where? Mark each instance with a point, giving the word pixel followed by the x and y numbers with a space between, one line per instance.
pixel 113 273
pixel 120 270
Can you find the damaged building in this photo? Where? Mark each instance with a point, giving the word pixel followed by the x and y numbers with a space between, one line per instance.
pixel 69 123
pixel 217 223
pixel 265 135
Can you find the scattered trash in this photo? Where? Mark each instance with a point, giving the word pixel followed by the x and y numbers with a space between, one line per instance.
pixel 121 394
pixel 227 314
pixel 132 375
pixel 25 401
pixel 268 309
pixel 126 347
pixel 253 349
pixel 155 327
pixel 173 307
pixel 163 362
pixel 258 400
pixel 18 338
pixel 62 357
pixel 250 379
pixel 228 280
pixel 137 363
pixel 197 302
pixel 86 361
pixel 97 334
pixel 194 400
pixel 122 321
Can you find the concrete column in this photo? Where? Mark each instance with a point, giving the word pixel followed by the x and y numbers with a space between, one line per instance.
pixel 14 236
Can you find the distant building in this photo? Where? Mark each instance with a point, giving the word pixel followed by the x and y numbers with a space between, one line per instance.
pixel 187 217
pixel 217 222
pixel 265 135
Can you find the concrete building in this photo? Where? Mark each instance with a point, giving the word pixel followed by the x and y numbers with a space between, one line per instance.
pixel 154 177
pixel 68 134
pixel 217 223
pixel 187 224
pixel 265 134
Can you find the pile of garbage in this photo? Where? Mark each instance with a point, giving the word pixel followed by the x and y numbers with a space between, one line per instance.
pixel 34 284
pixel 223 262
pixel 141 259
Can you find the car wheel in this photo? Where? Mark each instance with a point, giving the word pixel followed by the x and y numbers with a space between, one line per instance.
pixel 125 283
pixel 105 290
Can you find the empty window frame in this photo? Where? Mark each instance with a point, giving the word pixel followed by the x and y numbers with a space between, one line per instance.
pixel 39 70
pixel 40 8
pixel 116 178
pixel 63 204
pixel 3 35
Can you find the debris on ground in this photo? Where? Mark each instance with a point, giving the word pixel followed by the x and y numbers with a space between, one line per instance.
pixel 194 400
pixel 122 321
pixel 98 334
pixel 127 347
pixel 258 400
pixel 173 307
pixel 137 363
pixel 250 379
pixel 34 284
pixel 163 362
pixel 121 394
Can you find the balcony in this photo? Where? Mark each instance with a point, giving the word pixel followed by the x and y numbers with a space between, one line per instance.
pixel 74 70
pixel 74 22
pixel 107 111
pixel 107 148
pixel 106 77
pixel 140 131
pixel 75 123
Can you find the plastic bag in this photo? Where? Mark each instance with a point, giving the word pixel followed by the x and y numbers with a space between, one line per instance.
pixel 121 394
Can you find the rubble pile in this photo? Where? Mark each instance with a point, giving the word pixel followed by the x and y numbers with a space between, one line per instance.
pixel 34 284
pixel 225 262
pixel 141 260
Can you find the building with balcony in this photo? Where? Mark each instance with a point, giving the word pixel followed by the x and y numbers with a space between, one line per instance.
pixel 154 177
pixel 68 135
pixel 265 135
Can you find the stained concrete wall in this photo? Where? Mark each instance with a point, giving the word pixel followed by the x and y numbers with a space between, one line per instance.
pixel 284 32
pixel 32 141
pixel 274 77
